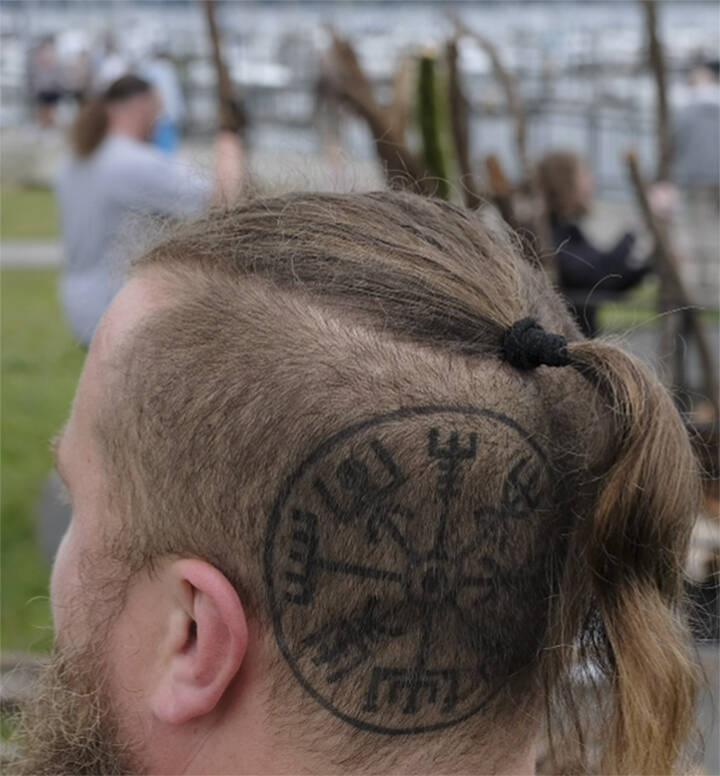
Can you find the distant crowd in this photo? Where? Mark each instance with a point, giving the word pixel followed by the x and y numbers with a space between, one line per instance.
pixel 124 108
pixel 90 71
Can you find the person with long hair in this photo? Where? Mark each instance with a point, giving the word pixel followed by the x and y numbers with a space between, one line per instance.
pixel 352 494
pixel 114 176
pixel 584 270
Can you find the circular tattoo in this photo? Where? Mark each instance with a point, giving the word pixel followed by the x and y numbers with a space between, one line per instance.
pixel 389 555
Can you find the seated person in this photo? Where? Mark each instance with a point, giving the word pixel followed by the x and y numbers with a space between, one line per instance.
pixel 567 185
pixel 353 495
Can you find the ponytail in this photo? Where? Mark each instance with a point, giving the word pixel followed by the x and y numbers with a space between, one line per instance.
pixel 620 621
pixel 90 127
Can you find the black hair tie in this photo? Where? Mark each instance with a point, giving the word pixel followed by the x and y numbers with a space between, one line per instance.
pixel 527 345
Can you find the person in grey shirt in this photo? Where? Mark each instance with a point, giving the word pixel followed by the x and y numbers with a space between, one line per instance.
pixel 696 135
pixel 696 172
pixel 114 176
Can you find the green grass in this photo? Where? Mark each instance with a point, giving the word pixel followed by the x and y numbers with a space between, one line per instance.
pixel 27 213
pixel 40 367
pixel 639 307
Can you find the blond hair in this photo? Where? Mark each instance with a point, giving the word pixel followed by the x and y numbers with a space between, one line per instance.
pixel 557 174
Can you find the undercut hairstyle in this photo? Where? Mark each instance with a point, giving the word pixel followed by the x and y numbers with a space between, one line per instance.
pixel 438 550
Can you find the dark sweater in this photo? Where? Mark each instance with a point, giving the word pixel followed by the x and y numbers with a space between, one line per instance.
pixel 583 267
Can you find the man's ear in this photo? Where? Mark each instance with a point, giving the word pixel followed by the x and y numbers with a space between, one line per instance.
pixel 204 645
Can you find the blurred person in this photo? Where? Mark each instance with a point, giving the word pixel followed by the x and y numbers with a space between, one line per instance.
pixel 45 81
pixel 567 184
pixel 113 175
pixel 696 146
pixel 352 494
pixel 696 172
pixel 160 71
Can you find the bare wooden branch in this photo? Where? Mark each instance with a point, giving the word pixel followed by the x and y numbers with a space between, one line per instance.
pixel 459 124
pixel 657 64
pixel 672 281
pixel 507 80
pixel 529 223
pixel 231 113
pixel 402 167
pixel 537 222
pixel 500 190
pixel 399 109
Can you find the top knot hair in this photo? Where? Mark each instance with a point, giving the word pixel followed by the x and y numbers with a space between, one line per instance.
pixel 527 345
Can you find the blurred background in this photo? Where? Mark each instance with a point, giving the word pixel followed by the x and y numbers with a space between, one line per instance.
pixel 592 127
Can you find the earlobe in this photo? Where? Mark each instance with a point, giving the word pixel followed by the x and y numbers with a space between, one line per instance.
pixel 207 647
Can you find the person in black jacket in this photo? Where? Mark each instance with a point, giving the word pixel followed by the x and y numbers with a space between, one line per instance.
pixel 567 185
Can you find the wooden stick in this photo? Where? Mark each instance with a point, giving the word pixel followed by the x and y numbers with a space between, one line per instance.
pixel 399 109
pixel 656 61
pixel 231 113
pixel 538 221
pixel 507 80
pixel 401 166
pixel 669 274
pixel 500 190
pixel 657 64
pixel 459 123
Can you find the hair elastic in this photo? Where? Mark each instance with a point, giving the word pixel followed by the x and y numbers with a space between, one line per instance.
pixel 527 345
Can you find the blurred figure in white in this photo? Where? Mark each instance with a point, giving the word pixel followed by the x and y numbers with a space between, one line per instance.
pixel 697 132
pixel 110 64
pixel 113 175
pixel 45 77
pixel 694 193
pixel 697 173
pixel 160 71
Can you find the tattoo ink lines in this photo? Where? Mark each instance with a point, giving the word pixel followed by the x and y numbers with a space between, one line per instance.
pixel 415 685
pixel 355 514
pixel 301 582
pixel 449 458
pixel 305 562
pixel 522 489
pixel 353 476
pixel 342 645
pixel 418 682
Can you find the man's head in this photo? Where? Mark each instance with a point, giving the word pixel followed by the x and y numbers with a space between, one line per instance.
pixel 320 524
pixel 133 107
pixel 129 106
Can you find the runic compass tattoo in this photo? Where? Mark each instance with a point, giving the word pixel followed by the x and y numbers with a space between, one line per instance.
pixel 386 571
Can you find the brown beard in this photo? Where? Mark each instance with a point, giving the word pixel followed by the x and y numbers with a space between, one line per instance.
pixel 68 725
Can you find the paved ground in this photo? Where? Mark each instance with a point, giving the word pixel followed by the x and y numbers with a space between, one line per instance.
pixel 30 253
